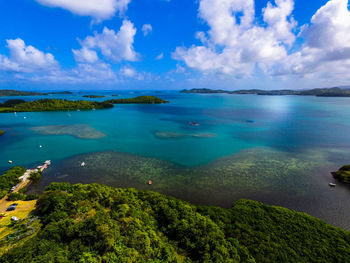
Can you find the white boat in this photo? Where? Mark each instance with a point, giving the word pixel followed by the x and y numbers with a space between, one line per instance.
pixel 10 161
pixel 40 146
pixel 24 117
pixel 82 164
pixel 332 185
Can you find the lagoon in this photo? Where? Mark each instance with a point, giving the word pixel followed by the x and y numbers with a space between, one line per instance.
pixel 275 149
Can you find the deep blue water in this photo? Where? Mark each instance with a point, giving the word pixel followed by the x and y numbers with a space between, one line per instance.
pixel 287 129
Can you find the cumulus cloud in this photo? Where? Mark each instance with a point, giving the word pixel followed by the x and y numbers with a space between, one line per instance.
pixel 85 55
pixel 327 44
pixel 146 29
pixel 113 46
pixel 128 71
pixel 236 45
pixel 99 9
pixel 26 58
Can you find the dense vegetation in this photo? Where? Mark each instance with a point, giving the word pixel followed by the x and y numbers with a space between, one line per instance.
pixel 93 96
pixel 10 92
pixel 326 92
pixel 140 99
pixel 95 223
pixel 52 105
pixel 9 179
pixel 343 174
pixel 2 132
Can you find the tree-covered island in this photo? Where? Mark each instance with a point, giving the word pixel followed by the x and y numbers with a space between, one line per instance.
pixel 343 174
pixel 11 92
pixel 138 100
pixel 325 92
pixel 51 105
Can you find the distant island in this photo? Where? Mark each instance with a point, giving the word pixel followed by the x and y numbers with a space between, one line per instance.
pixel 94 96
pixel 138 100
pixel 343 174
pixel 10 92
pixel 51 105
pixel 326 92
pixel 2 132
pixel 17 105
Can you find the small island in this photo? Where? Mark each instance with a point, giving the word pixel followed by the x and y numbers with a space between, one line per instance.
pixel 51 105
pixel 2 132
pixel 138 100
pixel 11 93
pixel 326 92
pixel 94 96
pixel 343 174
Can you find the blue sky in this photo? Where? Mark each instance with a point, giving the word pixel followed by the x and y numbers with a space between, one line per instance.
pixel 173 44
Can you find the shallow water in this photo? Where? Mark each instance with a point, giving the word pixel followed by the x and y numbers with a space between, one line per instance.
pixel 276 149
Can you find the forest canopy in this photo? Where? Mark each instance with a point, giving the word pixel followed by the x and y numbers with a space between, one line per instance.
pixel 96 223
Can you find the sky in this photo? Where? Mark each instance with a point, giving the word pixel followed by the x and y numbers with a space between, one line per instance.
pixel 174 44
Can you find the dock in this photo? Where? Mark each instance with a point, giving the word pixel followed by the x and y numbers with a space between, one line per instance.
pixel 24 179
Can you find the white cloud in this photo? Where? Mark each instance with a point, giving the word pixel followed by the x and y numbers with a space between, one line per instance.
pixel 25 58
pixel 114 46
pixel 277 19
pixel 99 9
pixel 146 29
pixel 128 71
pixel 84 73
pixel 326 51
pixel 160 56
pixel 85 55
pixel 235 44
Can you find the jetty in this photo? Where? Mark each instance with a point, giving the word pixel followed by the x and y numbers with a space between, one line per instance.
pixel 25 178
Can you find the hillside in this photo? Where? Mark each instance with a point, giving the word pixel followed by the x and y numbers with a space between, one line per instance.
pixel 326 92
pixel 138 100
pixel 11 92
pixel 95 223
pixel 51 105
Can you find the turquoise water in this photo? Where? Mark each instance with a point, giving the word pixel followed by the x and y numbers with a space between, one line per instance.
pixel 276 149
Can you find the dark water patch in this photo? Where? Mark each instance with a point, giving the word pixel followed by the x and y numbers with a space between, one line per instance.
pixel 297 181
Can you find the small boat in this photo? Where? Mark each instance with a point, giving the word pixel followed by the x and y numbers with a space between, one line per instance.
pixel 93 109
pixel 40 146
pixel 10 161
pixel 24 117
pixel 78 110
pixel 332 185
pixel 193 123
pixel 82 164
pixel 149 182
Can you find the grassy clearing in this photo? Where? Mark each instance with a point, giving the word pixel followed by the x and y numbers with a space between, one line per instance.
pixel 22 211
